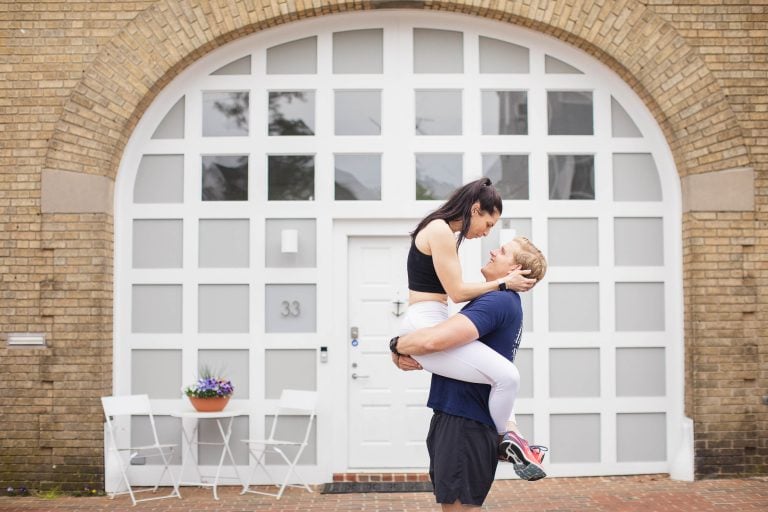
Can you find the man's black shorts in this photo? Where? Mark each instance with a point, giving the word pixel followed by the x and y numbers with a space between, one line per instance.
pixel 462 458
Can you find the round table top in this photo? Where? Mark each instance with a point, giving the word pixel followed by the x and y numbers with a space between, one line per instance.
pixel 190 412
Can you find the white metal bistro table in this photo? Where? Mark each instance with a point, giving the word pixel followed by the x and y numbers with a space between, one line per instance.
pixel 190 439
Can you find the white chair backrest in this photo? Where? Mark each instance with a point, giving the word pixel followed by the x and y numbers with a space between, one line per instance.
pixel 298 400
pixel 125 405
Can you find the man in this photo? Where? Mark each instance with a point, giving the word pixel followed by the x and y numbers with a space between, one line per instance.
pixel 462 442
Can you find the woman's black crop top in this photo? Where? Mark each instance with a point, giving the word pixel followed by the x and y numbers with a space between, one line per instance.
pixel 421 272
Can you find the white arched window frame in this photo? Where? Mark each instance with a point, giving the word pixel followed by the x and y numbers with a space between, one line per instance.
pixel 398 148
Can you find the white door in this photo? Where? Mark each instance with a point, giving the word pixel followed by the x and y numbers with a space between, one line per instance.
pixel 388 417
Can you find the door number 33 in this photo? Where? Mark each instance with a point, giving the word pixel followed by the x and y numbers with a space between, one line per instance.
pixel 290 308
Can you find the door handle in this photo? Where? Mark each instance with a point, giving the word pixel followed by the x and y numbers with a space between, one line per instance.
pixel 356 376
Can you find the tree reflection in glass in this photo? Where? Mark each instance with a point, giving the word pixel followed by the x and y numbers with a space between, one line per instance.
pixel 357 177
pixel 292 113
pixel 291 178
pixel 225 178
pixel 505 112
pixel 225 114
pixel 509 174
pixel 571 176
pixel 437 175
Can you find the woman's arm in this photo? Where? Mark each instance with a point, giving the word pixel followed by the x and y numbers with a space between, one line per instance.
pixel 442 245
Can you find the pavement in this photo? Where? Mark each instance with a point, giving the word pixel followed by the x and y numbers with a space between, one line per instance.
pixel 642 493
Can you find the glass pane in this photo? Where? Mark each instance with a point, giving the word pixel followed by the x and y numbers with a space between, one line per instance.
pixel 509 174
pixel 225 178
pixel 156 373
pixel 574 307
pixel 437 175
pixel 573 242
pixel 295 57
pixel 222 308
pixel 505 112
pixel 524 363
pixel 640 372
pixel 438 112
pixel 574 372
pixel 358 51
pixel 279 254
pixel 224 243
pixel 225 114
pixel 571 176
pixel 230 364
pixel 159 179
pixel 291 307
pixel 292 113
pixel 638 241
pixel 210 454
pixel 157 243
pixel 172 125
pixel 156 308
pixel 240 66
pixel 575 438
pixel 293 428
pixel 556 66
pixel 302 375
pixel 358 177
pixel 570 112
pixel 635 177
pixel 357 112
pixel 502 57
pixel 621 124
pixel 650 427
pixel 168 432
pixel 437 51
pixel 639 306
pixel 291 178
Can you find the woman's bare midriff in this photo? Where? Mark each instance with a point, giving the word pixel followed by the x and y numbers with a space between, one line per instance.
pixel 414 297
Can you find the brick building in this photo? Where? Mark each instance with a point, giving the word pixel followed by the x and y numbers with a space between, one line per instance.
pixel 629 138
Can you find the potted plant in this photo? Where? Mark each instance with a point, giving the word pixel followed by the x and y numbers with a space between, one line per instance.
pixel 210 393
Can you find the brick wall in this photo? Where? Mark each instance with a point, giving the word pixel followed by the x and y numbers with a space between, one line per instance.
pixel 76 76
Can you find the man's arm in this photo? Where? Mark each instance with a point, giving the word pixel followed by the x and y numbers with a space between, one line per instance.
pixel 457 330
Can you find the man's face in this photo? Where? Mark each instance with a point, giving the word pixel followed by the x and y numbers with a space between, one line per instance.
pixel 501 261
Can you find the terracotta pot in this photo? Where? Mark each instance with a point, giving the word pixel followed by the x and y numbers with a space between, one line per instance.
pixel 209 404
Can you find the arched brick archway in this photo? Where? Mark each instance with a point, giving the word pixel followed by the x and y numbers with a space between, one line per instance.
pixel 642 48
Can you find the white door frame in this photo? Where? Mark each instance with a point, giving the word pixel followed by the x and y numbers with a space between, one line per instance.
pixel 338 422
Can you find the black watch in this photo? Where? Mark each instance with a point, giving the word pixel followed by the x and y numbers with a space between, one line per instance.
pixel 502 285
pixel 393 345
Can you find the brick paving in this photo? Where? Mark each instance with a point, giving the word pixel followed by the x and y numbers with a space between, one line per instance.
pixel 645 493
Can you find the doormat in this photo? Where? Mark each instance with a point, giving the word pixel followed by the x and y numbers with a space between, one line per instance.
pixel 357 487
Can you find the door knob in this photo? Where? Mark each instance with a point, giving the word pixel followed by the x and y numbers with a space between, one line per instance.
pixel 356 376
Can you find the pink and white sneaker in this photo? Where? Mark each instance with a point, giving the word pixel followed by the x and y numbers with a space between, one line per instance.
pixel 526 459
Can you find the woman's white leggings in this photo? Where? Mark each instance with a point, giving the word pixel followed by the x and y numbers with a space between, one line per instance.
pixel 474 362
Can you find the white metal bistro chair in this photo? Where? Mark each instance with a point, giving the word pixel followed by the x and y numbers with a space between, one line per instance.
pixel 302 402
pixel 118 411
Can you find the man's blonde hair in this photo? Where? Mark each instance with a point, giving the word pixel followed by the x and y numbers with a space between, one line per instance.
pixel 529 257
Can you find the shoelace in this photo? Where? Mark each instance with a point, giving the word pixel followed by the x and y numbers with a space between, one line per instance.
pixel 539 451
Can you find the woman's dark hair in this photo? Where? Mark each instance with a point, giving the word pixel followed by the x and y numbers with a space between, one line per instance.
pixel 459 206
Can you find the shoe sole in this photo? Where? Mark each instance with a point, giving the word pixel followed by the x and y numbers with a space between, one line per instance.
pixel 531 472
pixel 524 468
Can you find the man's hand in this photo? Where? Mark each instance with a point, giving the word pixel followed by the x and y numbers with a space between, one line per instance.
pixel 405 363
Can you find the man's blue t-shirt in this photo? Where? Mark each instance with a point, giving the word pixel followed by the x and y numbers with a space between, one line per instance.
pixel 498 317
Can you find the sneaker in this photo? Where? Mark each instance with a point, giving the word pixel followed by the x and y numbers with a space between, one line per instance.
pixel 526 460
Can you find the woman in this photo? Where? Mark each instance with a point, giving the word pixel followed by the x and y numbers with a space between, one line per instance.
pixel 434 275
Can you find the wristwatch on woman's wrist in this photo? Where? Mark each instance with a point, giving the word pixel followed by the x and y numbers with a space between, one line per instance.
pixel 393 345
pixel 502 285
